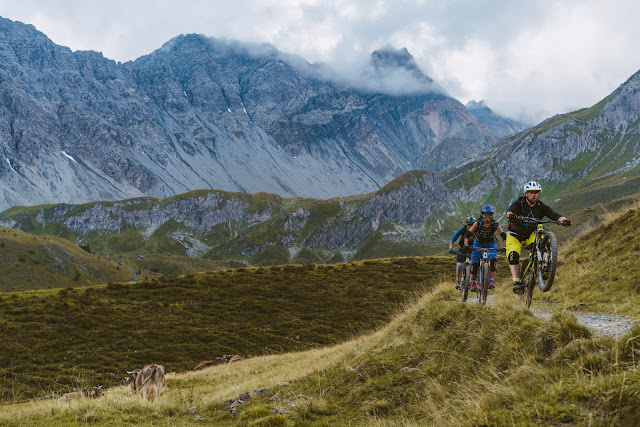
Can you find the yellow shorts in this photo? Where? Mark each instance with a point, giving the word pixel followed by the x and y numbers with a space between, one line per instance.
pixel 513 244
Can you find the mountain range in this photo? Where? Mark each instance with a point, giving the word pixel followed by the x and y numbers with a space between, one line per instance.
pixel 202 113
pixel 583 158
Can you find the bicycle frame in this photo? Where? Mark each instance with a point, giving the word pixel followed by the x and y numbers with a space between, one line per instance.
pixel 532 272
pixel 483 274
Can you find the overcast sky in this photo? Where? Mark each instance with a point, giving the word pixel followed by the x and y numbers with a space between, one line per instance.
pixel 528 59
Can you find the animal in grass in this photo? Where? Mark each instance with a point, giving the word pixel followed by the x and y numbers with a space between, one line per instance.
pixel 148 381
pixel 126 381
pixel 92 393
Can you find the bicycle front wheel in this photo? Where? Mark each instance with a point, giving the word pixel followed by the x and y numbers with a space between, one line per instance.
pixel 485 282
pixel 546 267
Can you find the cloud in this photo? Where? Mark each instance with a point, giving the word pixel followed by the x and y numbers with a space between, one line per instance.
pixel 528 60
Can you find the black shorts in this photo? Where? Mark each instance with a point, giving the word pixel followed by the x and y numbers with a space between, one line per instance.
pixel 462 255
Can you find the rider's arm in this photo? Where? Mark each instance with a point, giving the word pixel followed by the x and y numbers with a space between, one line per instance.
pixel 474 227
pixel 513 210
pixel 456 236
pixel 551 214
pixel 503 235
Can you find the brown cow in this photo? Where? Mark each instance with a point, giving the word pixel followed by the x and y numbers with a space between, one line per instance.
pixel 93 393
pixel 149 381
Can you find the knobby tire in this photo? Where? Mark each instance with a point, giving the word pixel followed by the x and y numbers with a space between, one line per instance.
pixel 485 283
pixel 548 245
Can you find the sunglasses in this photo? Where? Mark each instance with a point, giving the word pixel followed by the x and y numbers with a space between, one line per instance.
pixel 487 214
pixel 534 191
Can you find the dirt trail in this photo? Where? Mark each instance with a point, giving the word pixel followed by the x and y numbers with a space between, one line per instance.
pixel 601 324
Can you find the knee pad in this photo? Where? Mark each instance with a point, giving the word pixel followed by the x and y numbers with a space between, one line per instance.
pixel 492 264
pixel 474 268
pixel 514 258
pixel 459 266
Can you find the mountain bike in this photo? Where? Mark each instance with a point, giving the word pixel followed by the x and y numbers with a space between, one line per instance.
pixel 483 273
pixel 540 267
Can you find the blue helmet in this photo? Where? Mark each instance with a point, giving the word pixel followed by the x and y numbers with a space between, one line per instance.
pixel 487 209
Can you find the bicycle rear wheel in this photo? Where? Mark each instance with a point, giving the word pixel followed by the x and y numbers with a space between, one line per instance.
pixel 485 283
pixel 546 267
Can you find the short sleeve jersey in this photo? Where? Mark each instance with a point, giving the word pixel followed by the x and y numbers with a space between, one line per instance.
pixel 521 208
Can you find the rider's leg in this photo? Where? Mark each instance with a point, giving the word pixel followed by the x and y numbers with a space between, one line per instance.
pixel 461 257
pixel 474 274
pixel 459 268
pixel 514 247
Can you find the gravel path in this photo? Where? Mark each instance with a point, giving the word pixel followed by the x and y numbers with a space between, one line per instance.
pixel 601 324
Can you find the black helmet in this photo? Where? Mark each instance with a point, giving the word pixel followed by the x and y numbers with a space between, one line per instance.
pixel 470 220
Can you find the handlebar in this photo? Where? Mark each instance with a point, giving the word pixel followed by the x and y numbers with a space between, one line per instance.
pixel 535 221
pixel 488 249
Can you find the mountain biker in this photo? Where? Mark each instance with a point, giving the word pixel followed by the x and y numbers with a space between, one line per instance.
pixel 463 253
pixel 527 206
pixel 484 230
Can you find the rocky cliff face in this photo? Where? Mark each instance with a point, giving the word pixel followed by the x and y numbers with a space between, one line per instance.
pixel 581 158
pixel 202 113
pixel 499 125
pixel 243 225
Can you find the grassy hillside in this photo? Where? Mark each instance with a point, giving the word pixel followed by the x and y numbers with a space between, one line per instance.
pixel 40 262
pixel 51 341
pixel 600 270
pixel 438 363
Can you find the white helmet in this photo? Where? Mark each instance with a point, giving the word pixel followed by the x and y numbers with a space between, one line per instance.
pixel 532 186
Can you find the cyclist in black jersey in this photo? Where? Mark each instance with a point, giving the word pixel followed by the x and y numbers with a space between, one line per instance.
pixel 527 206
pixel 463 233
pixel 484 230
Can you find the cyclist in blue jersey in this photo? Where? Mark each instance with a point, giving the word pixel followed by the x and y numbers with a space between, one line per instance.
pixel 462 234
pixel 484 230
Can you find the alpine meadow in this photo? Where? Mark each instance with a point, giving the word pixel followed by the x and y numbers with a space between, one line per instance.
pixel 223 233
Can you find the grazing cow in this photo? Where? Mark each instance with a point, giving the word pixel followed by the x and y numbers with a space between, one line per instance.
pixel 148 381
pixel 93 393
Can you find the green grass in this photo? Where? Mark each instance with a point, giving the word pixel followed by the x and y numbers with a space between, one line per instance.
pixel 439 362
pixel 310 330
pixel 600 271
pixel 41 262
pixel 51 341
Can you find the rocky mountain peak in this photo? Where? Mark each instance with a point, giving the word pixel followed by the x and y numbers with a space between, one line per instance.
pixel 390 63
pixel 476 105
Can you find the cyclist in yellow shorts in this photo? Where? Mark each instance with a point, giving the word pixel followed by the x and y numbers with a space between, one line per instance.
pixel 527 206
